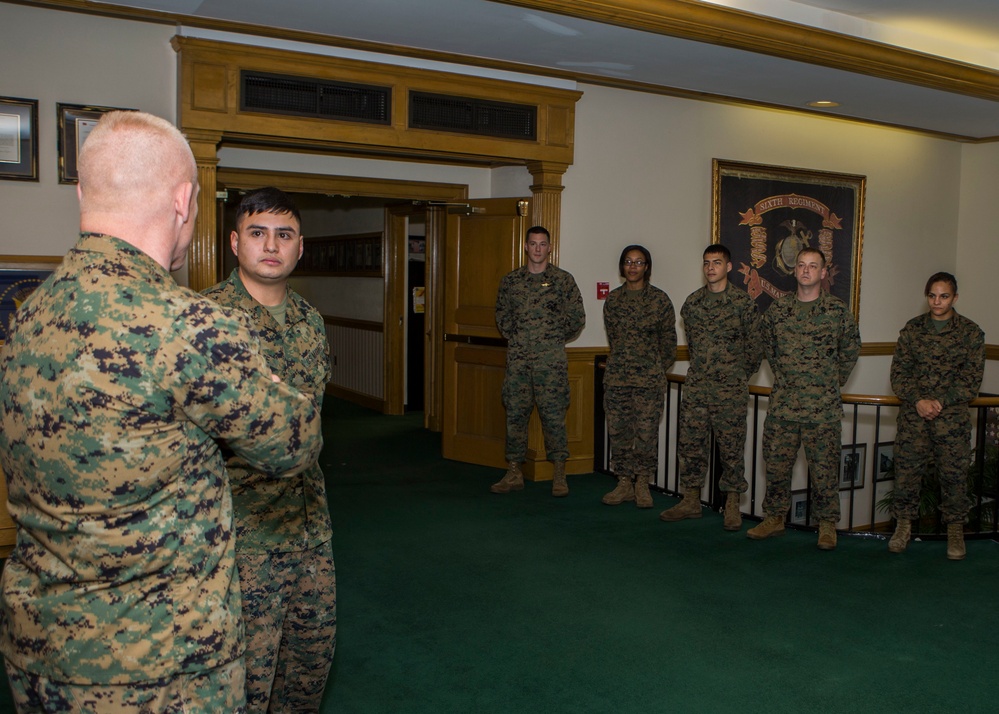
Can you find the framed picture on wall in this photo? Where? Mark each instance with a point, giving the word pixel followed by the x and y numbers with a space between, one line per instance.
pixel 75 123
pixel 885 466
pixel 19 276
pixel 799 507
pixel 18 139
pixel 851 466
pixel 765 214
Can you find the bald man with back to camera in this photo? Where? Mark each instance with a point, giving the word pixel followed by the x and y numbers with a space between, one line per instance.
pixel 116 385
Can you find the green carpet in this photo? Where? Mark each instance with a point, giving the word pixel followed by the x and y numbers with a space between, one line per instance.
pixel 452 599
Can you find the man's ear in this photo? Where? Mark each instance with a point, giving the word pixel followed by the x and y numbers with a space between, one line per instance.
pixel 182 200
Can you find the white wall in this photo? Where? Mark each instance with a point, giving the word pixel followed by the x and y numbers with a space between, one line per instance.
pixel 978 245
pixel 478 180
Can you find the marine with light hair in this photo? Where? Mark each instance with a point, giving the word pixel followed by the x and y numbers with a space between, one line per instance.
pixel 116 387
pixel 812 344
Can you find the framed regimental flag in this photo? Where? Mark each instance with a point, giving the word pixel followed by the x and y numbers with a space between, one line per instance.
pixel 765 214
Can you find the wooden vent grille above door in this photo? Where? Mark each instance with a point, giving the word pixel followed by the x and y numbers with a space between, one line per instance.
pixel 466 115
pixel 304 97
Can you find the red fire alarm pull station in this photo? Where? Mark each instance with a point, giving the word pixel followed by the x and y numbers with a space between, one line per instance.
pixel 602 290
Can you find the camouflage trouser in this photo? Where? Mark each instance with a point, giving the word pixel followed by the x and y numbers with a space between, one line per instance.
pixel 944 442
pixel 633 415
pixel 728 422
pixel 781 441
pixel 221 689
pixel 289 607
pixel 542 381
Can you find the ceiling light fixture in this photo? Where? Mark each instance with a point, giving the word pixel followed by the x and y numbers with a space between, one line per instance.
pixel 823 104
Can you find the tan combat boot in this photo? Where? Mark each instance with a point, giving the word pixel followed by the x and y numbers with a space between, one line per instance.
pixel 513 479
pixel 643 499
pixel 955 541
pixel 900 538
pixel 827 535
pixel 559 486
pixel 732 514
pixel 770 527
pixel 689 507
pixel 625 491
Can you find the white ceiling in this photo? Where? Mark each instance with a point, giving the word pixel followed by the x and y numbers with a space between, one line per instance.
pixel 510 31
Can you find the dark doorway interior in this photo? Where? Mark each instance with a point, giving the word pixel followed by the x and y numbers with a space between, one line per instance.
pixel 415 330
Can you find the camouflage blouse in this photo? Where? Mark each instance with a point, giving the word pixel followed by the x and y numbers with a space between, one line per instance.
pixel 947 366
pixel 538 313
pixel 116 385
pixel 812 348
pixel 277 515
pixel 641 332
pixel 723 336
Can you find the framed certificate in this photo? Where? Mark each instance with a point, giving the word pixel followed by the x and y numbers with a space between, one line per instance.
pixel 18 139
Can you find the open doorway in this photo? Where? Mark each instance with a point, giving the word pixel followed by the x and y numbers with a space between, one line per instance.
pixel 416 310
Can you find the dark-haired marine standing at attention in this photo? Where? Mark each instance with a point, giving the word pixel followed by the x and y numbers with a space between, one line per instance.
pixel 721 324
pixel 538 310
pixel 283 530
pixel 641 330
pixel 936 371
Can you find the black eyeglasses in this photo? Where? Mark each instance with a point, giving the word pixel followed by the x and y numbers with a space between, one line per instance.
pixel 639 263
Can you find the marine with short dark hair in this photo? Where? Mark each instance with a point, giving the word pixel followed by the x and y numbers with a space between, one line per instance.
pixel 721 324
pixel 283 529
pixel 641 330
pixel 936 371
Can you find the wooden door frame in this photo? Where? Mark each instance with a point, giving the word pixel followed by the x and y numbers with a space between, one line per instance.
pixel 211 116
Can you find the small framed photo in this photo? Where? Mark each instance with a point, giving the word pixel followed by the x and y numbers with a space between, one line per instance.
pixel 76 121
pixel 884 469
pixel 851 466
pixel 18 139
pixel 799 507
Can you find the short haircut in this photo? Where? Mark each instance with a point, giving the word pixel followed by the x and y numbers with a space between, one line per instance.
pixel 941 277
pixel 644 251
pixel 811 250
pixel 129 158
pixel 718 248
pixel 267 200
pixel 539 230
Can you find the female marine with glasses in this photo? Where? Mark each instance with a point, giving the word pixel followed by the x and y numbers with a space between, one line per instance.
pixel 641 331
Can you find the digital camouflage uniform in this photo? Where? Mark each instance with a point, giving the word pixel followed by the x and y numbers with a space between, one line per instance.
pixel 116 384
pixel 537 314
pixel 722 331
pixel 222 689
pixel 812 348
pixel 946 366
pixel 641 332
pixel 283 529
